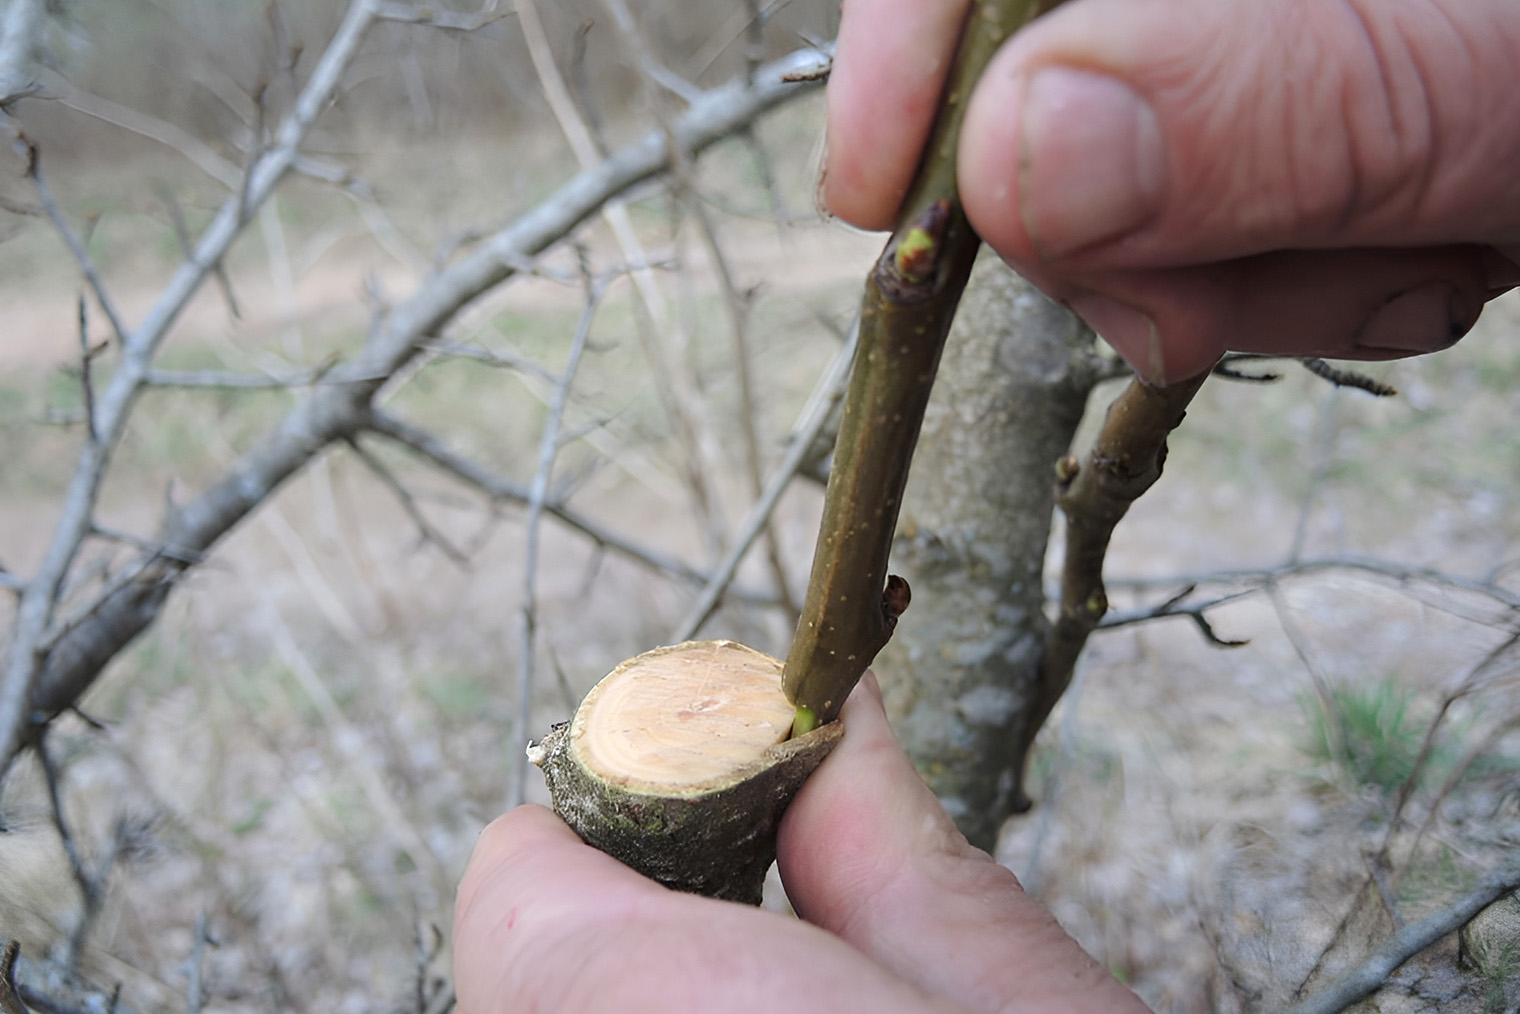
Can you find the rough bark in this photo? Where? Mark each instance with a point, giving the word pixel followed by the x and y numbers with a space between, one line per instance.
pixel 714 836
pixel 962 680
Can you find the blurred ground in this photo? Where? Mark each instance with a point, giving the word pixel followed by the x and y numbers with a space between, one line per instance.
pixel 307 743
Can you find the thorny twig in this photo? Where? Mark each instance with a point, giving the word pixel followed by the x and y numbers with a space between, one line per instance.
pixel 26 659
pixel 548 450
pixel 33 159
pixel 327 413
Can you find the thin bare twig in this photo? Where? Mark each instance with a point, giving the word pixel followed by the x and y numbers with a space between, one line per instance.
pixel 328 412
pixel 10 1000
pixel 1468 684
pixel 205 158
pixel 193 990
pixel 425 528
pixel 548 450
pixel 1321 460
pixel 1409 941
pixel 491 357
pixel 815 416
pixel 86 379
pixel 1377 871
pixel 737 306
pixel 676 390
pixel 187 248
pixel 1398 572
pixel 436 17
pixel 218 380
pixel 1336 717
pixel 87 886
pixel 653 69
pixel 152 546
pixel 1177 606
pixel 20 34
pixel 26 657
pixel 349 742
pixel 33 159
pixel 92 885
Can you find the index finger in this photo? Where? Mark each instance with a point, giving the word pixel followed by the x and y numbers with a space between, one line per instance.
pixel 890 63
pixel 519 894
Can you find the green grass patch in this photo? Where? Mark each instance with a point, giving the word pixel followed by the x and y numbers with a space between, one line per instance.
pixel 1367 734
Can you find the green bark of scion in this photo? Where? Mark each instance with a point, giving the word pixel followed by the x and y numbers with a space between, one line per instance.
pixel 961 680
pixel 909 302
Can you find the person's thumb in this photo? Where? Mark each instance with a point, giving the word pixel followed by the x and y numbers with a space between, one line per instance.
pixel 867 852
pixel 1120 134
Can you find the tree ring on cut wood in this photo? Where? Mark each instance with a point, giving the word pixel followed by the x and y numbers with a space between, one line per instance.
pixel 677 764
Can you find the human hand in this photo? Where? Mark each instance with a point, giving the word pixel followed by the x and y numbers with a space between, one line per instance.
pixel 902 914
pixel 1192 176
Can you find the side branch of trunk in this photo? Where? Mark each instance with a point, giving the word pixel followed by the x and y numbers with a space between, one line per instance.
pixel 1125 461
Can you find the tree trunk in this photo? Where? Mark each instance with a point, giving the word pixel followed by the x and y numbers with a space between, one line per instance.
pixel 962 674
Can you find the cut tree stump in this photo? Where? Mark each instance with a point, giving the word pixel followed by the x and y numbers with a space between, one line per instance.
pixel 678 764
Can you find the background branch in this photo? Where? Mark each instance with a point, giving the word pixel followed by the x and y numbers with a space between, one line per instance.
pixel 20 35
pixel 335 410
pixel 548 450
pixel 1372 973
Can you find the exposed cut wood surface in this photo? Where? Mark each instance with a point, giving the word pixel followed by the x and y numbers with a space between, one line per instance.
pixel 679 718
